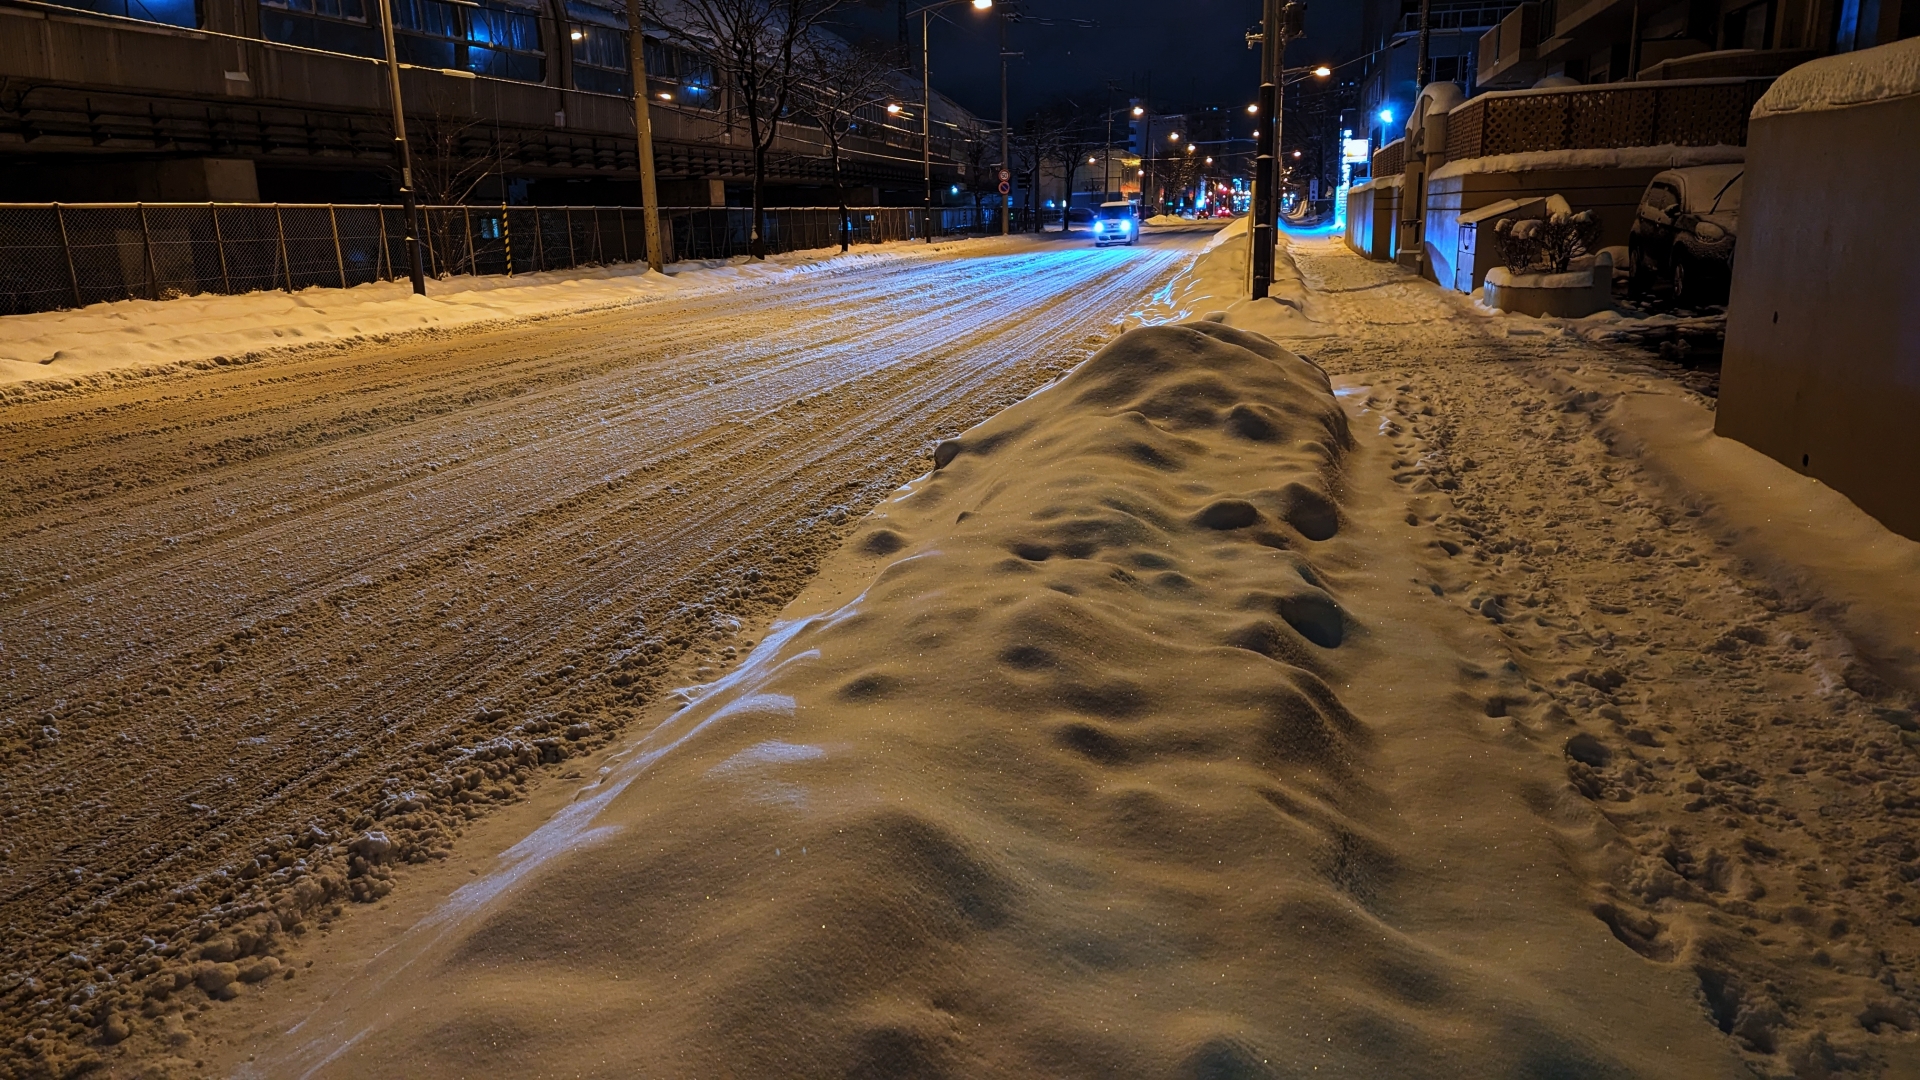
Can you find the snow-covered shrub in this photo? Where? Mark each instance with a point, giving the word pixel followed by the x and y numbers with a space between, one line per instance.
pixel 1546 245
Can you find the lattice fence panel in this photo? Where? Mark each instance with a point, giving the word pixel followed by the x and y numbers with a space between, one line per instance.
pixel 1466 130
pixel 1609 118
pixel 1704 115
pixel 1521 124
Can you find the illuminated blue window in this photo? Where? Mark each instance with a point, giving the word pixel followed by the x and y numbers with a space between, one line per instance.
pixel 171 12
pixel 484 40
pixel 333 25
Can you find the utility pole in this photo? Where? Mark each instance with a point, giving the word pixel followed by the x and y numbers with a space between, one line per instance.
pixel 410 209
pixel 926 120
pixel 643 126
pixel 1265 165
pixel 1006 159
pixel 1423 67
pixel 1106 171
pixel 1146 182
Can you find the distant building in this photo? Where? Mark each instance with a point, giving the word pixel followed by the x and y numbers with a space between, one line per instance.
pixel 506 100
pixel 1392 38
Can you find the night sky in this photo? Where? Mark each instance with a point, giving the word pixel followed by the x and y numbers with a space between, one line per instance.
pixel 1193 51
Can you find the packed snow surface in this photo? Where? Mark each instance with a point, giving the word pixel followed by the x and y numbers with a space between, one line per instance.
pixel 1844 80
pixel 143 336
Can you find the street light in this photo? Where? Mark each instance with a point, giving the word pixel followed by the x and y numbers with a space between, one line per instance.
pixel 926 89
pixel 1254 109
pixel 1138 111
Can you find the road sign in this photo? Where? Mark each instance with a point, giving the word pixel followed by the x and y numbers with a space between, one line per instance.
pixel 1005 176
pixel 1005 187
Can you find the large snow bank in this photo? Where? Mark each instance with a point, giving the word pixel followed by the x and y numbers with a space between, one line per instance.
pixel 1836 82
pixel 1059 781
pixel 1624 157
pixel 202 331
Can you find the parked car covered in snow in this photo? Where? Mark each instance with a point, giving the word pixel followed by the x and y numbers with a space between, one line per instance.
pixel 1115 223
pixel 1684 232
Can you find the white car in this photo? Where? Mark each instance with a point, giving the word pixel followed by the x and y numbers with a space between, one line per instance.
pixel 1684 231
pixel 1115 223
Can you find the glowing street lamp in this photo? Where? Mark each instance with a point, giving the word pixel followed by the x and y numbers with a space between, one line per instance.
pixel 893 109
pixel 1254 108
pixel 926 87
pixel 1322 71
pixel 1138 111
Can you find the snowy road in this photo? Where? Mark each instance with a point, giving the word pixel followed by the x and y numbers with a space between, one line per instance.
pixel 248 602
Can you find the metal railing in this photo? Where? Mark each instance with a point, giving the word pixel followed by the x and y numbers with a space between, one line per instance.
pixel 66 255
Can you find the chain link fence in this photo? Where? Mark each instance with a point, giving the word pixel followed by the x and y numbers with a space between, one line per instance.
pixel 55 255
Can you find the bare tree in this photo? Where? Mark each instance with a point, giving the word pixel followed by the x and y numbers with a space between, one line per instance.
pixel 843 82
pixel 1062 135
pixel 758 45
pixel 452 155
pixel 981 147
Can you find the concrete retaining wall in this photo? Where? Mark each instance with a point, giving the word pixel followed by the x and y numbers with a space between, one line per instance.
pixel 1822 367
pixel 1373 214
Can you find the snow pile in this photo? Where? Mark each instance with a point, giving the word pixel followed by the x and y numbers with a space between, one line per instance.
pixel 209 330
pixel 1172 222
pixel 1216 288
pixel 1836 82
pixel 1057 781
pixel 1623 157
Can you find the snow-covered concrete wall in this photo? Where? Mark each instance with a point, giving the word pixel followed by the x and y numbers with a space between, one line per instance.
pixel 1822 368
pixel 1373 213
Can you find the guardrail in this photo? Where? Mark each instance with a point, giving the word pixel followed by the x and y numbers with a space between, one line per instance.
pixel 65 255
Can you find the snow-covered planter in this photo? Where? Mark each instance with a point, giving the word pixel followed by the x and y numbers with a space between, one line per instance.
pixel 1574 293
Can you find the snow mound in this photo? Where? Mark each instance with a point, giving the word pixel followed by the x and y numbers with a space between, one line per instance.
pixel 1064 787
pixel 1837 82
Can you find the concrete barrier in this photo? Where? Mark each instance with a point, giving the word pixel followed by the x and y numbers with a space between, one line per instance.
pixel 1822 365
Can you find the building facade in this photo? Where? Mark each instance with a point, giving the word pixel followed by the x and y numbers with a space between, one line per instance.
pixel 506 100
